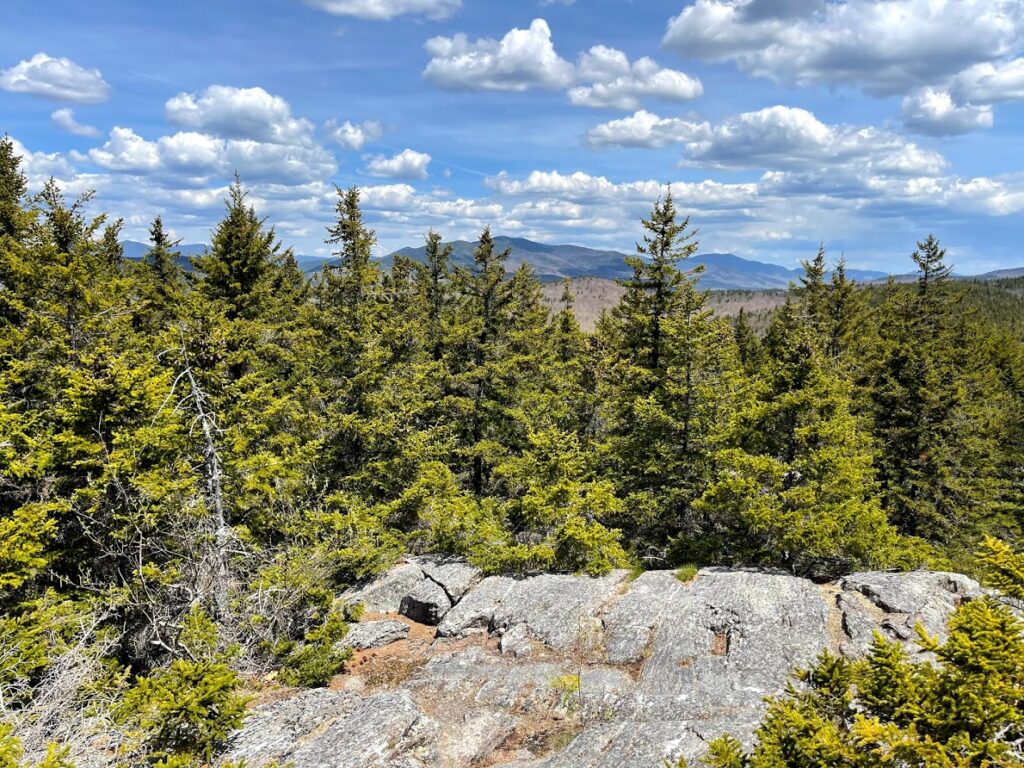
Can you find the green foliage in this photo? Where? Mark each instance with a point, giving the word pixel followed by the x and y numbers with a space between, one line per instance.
pixel 192 466
pixel 11 753
pixel 1004 568
pixel 687 573
pixel 319 656
pixel 187 709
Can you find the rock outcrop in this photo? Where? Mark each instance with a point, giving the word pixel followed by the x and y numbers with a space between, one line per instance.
pixel 576 672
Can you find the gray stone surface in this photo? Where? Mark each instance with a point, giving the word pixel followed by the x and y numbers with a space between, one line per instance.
pixel 274 731
pixel 381 729
pixel 557 610
pixel 374 634
pixel 475 611
pixel 426 603
pixel 663 667
pixel 455 576
pixel 385 594
pixel 629 624
pixel 927 597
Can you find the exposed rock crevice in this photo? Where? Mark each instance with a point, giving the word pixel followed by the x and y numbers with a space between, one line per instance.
pixel 558 671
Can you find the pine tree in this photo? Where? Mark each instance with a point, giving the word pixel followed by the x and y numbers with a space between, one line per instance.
pixel 748 344
pixel 162 280
pixel 13 188
pixel 435 281
pixel 494 361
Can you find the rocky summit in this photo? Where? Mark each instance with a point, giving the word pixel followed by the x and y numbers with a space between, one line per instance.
pixel 452 669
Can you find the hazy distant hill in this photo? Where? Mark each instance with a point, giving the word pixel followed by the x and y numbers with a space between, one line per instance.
pixel 554 262
pixel 136 250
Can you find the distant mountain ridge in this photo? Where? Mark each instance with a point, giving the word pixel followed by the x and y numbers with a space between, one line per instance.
pixel 555 262
pixel 722 271
pixel 137 251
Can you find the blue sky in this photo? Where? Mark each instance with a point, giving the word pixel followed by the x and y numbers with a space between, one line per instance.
pixel 865 124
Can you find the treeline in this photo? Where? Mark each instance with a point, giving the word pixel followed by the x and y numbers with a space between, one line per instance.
pixel 191 465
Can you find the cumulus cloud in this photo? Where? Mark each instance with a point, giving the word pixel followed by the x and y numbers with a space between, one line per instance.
pixel 611 81
pixel 239 113
pixel 407 164
pixel 933 112
pixel 990 83
pixel 39 166
pixel 583 187
pixel 55 78
pixel 201 157
pixel 777 137
pixel 645 129
pixel 782 137
pixel 883 46
pixel 383 10
pixel 65 120
pixel 352 135
pixel 522 59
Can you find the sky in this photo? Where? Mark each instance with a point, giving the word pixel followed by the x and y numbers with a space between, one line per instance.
pixel 779 124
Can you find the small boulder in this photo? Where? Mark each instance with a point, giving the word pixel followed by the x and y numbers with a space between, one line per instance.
pixel 384 594
pixel 426 603
pixel 374 634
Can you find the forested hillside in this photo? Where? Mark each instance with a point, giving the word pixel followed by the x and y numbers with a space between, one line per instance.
pixel 192 465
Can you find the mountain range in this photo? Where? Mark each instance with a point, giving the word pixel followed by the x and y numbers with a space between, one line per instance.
pixel 136 251
pixel 722 271
pixel 555 262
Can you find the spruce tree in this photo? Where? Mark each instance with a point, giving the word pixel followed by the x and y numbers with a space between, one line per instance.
pixel 13 188
pixel 794 480
pixel 748 344
pixel 669 374
pixel 932 409
pixel 237 268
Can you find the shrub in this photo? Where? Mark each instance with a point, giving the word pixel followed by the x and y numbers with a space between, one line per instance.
pixel 320 656
pixel 687 573
pixel 188 709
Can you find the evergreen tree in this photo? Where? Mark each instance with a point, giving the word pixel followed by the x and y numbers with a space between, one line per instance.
pixel 163 282
pixel 238 266
pixel 494 360
pixel 795 484
pixel 435 280
pixel 668 379
pixel 932 409
pixel 13 188
pixel 748 344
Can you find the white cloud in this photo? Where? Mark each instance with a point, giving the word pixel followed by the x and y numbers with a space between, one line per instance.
pixel 522 59
pixel 991 83
pixel 200 158
pixel 782 137
pixel 39 166
pixel 239 113
pixel 383 10
pixel 645 129
pixel 777 137
pixel 55 78
pixel 934 113
pixel 613 82
pixel 407 164
pixel 351 135
pixel 65 120
pixel 883 46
